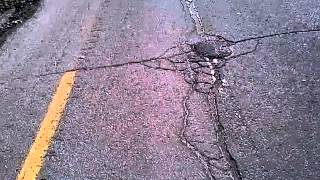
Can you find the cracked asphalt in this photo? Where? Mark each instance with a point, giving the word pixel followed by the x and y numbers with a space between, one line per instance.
pixel 189 89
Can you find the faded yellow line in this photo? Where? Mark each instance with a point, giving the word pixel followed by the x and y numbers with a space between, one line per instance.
pixel 48 126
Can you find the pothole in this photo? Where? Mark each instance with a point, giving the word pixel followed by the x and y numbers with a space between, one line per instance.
pixel 201 65
pixel 212 49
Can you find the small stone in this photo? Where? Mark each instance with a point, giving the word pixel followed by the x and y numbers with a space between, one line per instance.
pixel 215 61
pixel 214 79
pixel 81 57
pixel 224 83
pixel 213 72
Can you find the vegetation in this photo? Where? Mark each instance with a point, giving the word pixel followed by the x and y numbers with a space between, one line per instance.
pixel 13 13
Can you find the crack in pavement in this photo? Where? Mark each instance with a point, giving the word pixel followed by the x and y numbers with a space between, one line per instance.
pixel 197 72
pixel 193 12
pixel 90 68
pixel 203 74
pixel 192 67
pixel 184 139
pixel 217 81
pixel 221 136
pixel 161 57
pixel 215 65
pixel 270 35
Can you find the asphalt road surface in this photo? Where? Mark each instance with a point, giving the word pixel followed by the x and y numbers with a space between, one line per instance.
pixel 146 105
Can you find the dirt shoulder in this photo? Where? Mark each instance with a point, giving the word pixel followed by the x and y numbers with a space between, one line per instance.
pixel 13 13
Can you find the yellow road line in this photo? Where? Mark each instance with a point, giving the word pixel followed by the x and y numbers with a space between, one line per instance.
pixel 48 126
